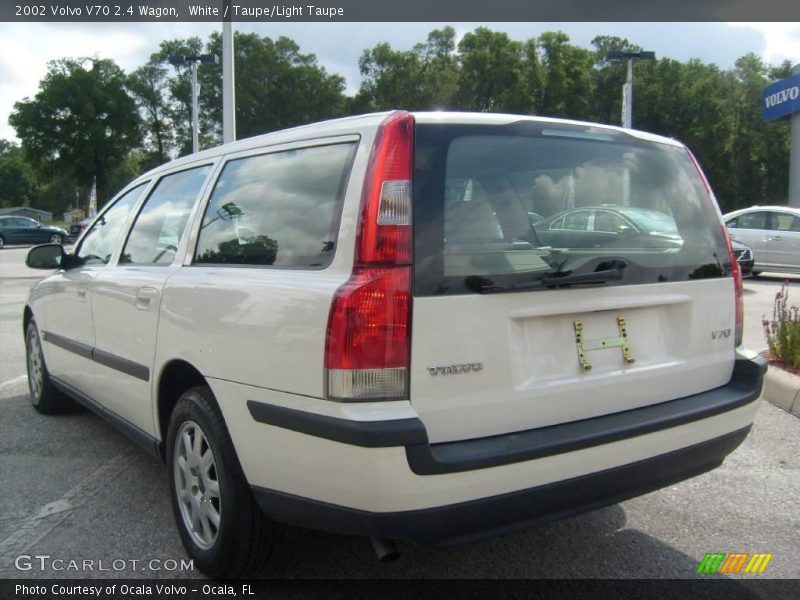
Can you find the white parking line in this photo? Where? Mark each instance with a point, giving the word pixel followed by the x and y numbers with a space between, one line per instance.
pixel 32 529
pixel 7 385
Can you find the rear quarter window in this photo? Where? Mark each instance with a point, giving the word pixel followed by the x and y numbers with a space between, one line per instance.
pixel 280 209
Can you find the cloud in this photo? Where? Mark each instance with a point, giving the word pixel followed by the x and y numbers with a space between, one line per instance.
pixel 781 40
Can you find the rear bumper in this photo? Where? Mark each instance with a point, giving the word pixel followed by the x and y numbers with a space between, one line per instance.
pixel 506 512
pixel 461 490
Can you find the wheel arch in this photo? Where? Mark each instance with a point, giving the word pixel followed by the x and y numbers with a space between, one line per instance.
pixel 175 378
pixel 27 317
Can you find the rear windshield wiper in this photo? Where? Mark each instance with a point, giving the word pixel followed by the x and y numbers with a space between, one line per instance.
pixel 549 282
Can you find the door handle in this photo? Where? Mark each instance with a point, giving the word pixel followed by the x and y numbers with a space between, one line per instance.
pixel 144 296
pixel 82 289
pixel 777 238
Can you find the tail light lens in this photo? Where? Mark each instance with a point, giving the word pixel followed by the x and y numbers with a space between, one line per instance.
pixel 368 341
pixel 736 271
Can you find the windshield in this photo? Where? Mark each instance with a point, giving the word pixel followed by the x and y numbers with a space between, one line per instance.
pixel 497 206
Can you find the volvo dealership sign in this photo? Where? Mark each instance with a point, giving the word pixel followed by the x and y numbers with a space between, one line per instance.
pixel 782 98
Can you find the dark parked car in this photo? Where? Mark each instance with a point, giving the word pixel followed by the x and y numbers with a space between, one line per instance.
pixel 22 230
pixel 608 226
pixel 744 256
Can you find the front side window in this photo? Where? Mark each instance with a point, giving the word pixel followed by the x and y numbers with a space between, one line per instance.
pixel 100 241
pixel 278 209
pixel 27 223
pixel 751 220
pixel 526 204
pixel 159 226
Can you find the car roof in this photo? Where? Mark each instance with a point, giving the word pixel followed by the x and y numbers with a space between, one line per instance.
pixel 773 207
pixel 361 123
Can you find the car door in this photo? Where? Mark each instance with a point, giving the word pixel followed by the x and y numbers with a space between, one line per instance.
pixel 783 240
pixel 751 228
pixel 65 301
pixel 30 232
pixel 127 296
pixel 14 231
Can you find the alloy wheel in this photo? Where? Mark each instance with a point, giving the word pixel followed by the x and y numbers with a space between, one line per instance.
pixel 197 485
pixel 35 370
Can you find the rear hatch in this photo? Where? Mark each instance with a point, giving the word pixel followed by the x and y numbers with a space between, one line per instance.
pixel 561 272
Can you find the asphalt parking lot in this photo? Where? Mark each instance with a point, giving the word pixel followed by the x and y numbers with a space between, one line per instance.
pixel 76 489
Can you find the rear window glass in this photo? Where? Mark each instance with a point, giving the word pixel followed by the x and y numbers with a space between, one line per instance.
pixel 279 209
pixel 521 205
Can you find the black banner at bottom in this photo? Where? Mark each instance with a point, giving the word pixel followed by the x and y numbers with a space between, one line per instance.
pixel 197 589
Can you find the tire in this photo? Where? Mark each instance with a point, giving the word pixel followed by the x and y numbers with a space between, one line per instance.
pixel 215 491
pixel 755 273
pixel 56 239
pixel 2 241
pixel 44 396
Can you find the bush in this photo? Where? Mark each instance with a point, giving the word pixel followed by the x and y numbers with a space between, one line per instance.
pixel 783 331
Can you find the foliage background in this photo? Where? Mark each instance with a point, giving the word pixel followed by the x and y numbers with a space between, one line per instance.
pixel 90 119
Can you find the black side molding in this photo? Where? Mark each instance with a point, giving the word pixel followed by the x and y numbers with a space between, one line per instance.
pixel 67 344
pixel 143 439
pixel 481 453
pixel 123 365
pixel 102 357
pixel 368 434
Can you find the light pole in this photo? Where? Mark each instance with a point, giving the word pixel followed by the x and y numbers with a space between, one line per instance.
pixel 179 60
pixel 627 89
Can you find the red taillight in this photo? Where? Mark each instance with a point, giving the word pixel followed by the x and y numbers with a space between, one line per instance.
pixel 384 231
pixel 368 339
pixel 736 271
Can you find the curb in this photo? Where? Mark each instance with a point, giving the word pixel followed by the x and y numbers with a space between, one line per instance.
pixel 782 389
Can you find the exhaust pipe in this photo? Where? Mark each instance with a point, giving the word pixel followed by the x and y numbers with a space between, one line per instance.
pixel 386 550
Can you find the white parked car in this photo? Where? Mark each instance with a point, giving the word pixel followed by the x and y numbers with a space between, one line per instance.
pixel 773 232
pixel 353 326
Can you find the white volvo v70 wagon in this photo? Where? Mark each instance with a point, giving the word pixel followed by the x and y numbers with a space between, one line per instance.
pixel 416 326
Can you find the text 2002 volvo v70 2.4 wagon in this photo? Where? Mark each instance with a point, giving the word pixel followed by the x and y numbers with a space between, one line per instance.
pixel 358 326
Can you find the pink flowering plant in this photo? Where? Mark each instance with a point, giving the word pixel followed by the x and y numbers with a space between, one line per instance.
pixel 783 331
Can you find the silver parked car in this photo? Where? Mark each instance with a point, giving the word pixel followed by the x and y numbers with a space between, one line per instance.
pixel 773 232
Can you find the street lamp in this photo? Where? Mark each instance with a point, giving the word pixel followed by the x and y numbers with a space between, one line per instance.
pixel 627 89
pixel 179 60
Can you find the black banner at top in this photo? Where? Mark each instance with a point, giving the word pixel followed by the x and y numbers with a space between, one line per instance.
pixel 404 10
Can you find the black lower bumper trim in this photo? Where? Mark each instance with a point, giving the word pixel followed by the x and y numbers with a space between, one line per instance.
pixel 481 453
pixel 506 512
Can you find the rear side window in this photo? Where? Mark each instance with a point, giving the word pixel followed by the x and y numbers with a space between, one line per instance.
pixel 159 226
pixel 499 207
pixel 280 209
pixel 785 222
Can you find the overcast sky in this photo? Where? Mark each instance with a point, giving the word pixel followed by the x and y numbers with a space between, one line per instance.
pixel 25 48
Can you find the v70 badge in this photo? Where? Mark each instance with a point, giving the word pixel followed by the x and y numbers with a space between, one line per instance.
pixel 585 345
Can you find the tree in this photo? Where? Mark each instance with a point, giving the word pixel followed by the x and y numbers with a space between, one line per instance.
pixel 81 124
pixel 492 73
pixel 568 88
pixel 18 184
pixel 423 78
pixel 148 85
pixel 277 86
